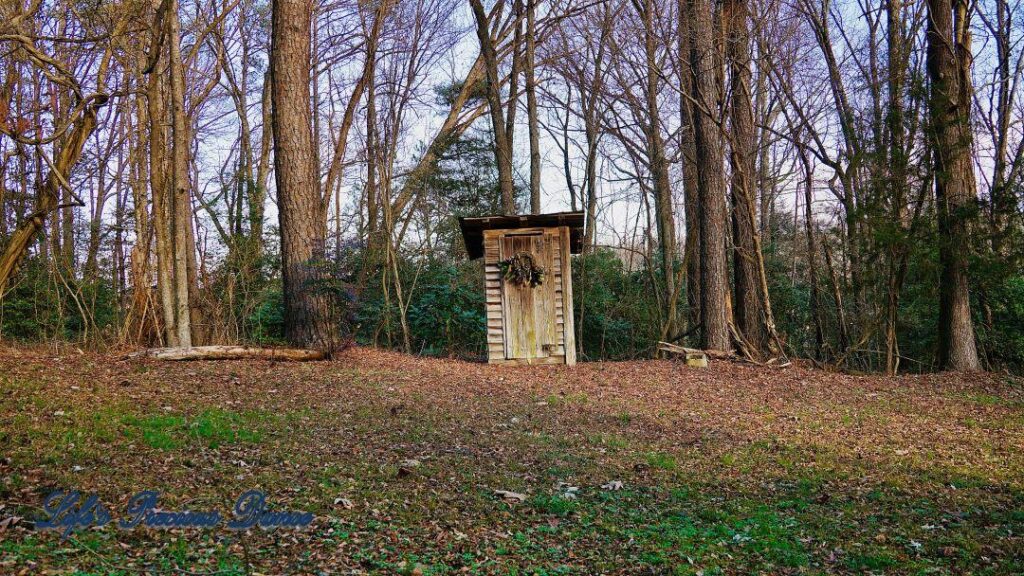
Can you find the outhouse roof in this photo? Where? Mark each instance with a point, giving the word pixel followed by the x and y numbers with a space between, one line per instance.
pixel 473 228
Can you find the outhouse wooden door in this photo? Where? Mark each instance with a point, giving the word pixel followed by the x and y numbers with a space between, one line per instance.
pixel 530 319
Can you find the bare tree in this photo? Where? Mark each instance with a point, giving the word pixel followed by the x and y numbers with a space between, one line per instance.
pixel 502 142
pixel 531 104
pixel 714 295
pixel 753 306
pixel 70 134
pixel 949 69
pixel 300 209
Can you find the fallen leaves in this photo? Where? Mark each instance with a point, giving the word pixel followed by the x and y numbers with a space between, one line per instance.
pixel 567 439
pixel 9 522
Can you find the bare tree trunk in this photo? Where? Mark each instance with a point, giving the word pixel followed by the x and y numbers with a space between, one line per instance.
pixel 688 150
pixel 181 212
pixel 590 96
pixel 812 250
pixel 120 207
pixel 3 196
pixel 513 76
pixel 140 254
pixel 949 62
pixel 1004 202
pixel 767 110
pixel 300 209
pixel 710 181
pixel 374 241
pixel 90 271
pixel 593 136
pixel 502 150
pixel 259 195
pixel 897 171
pixel 64 227
pixel 663 204
pixel 531 104
pixel 747 260
pixel 161 202
pixel 564 145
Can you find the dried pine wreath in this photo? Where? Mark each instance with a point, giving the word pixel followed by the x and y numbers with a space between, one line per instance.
pixel 521 270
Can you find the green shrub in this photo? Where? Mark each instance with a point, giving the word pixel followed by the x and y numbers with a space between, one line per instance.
pixel 616 313
pixel 447 316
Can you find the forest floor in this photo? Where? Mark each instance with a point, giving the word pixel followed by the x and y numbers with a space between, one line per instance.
pixel 644 467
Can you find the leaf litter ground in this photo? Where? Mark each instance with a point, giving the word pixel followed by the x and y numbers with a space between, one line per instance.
pixel 431 466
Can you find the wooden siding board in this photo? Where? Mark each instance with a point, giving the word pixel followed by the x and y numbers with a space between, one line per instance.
pixel 569 327
pixel 492 284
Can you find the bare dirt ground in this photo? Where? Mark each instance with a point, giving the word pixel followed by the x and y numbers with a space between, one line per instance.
pixel 633 467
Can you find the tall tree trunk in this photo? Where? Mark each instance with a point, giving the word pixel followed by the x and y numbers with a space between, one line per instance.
pixel 259 191
pixel 897 172
pixel 710 181
pixel 375 241
pixel 531 104
pixel 502 148
pixel 140 254
pixel 120 206
pixel 767 110
pixel 590 94
pixel 3 197
pixel 162 203
pixel 181 213
pixel 90 271
pixel 513 76
pixel 747 259
pixel 300 209
pixel 812 249
pixel 564 146
pixel 663 206
pixel 592 135
pixel 688 150
pixel 949 62
pixel 1004 202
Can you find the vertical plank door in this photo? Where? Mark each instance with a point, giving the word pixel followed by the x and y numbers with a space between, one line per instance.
pixel 529 311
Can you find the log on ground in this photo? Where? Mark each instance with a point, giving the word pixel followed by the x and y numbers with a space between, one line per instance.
pixel 693 357
pixel 231 353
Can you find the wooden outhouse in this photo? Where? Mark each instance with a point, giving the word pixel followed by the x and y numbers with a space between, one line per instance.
pixel 528 282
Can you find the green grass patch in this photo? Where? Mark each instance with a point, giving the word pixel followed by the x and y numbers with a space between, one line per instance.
pixel 213 427
pixel 661 461
pixel 870 560
pixel 554 504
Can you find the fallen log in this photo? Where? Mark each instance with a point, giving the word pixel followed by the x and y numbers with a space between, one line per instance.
pixel 693 357
pixel 230 353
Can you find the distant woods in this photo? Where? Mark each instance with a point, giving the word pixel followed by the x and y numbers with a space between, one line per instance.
pixel 838 180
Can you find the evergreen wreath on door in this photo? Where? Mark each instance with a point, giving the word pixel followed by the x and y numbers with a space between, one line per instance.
pixel 522 270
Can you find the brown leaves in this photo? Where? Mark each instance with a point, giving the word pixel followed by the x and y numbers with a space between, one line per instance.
pixel 9 522
pixel 337 436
